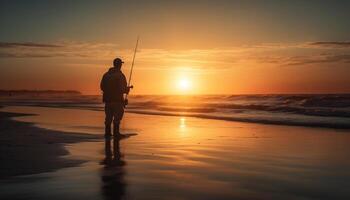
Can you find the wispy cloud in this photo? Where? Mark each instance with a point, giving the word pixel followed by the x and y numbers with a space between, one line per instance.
pixel 27 44
pixel 279 54
pixel 317 59
pixel 60 49
pixel 331 44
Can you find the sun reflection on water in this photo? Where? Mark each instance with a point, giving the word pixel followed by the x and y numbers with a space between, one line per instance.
pixel 182 125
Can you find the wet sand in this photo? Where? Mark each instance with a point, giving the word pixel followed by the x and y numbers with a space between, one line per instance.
pixel 188 158
pixel 26 149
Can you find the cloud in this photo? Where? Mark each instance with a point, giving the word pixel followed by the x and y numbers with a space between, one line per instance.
pixel 331 44
pixel 27 55
pixel 302 60
pixel 318 59
pixel 194 58
pixel 60 49
pixel 278 54
pixel 27 44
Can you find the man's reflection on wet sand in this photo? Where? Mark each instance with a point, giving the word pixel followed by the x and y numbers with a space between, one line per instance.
pixel 112 175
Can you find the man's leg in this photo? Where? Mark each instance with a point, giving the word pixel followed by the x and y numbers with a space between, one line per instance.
pixel 108 119
pixel 118 115
pixel 116 124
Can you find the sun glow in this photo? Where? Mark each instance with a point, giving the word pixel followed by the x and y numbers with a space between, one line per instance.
pixel 184 84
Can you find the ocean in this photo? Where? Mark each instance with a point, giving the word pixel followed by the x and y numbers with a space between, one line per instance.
pixel 316 110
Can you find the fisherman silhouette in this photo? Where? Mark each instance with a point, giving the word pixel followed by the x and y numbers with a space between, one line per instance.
pixel 113 172
pixel 114 86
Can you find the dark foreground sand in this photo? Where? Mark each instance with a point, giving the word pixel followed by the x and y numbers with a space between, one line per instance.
pixel 26 149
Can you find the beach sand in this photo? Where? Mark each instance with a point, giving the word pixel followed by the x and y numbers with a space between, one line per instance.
pixel 182 158
pixel 26 149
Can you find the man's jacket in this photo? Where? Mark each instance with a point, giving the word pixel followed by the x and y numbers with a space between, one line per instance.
pixel 113 85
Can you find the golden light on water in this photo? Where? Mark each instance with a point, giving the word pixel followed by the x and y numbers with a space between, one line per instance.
pixel 182 123
pixel 182 127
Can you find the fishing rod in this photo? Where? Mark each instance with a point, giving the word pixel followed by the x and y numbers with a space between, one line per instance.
pixel 131 70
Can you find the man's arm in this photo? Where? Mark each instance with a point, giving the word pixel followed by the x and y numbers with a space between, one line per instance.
pixel 124 85
pixel 102 84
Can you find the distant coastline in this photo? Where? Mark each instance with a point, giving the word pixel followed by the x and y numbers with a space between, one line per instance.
pixel 38 92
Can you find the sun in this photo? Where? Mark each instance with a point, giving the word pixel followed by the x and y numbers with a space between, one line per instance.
pixel 184 84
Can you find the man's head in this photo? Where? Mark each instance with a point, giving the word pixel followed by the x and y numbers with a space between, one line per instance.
pixel 117 63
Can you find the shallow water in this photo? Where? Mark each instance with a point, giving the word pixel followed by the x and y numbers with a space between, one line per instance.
pixel 312 110
pixel 189 158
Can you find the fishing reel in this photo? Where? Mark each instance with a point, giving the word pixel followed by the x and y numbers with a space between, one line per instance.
pixel 129 87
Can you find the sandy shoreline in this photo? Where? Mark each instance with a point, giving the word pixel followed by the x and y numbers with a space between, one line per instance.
pixel 183 158
pixel 26 149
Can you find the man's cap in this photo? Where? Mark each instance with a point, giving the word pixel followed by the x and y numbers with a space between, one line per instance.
pixel 117 60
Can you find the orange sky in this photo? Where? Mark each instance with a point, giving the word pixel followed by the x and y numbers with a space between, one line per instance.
pixel 228 47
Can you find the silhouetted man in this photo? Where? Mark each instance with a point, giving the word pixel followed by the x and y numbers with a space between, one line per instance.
pixel 114 86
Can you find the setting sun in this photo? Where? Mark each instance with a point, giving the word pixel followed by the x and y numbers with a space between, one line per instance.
pixel 184 85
